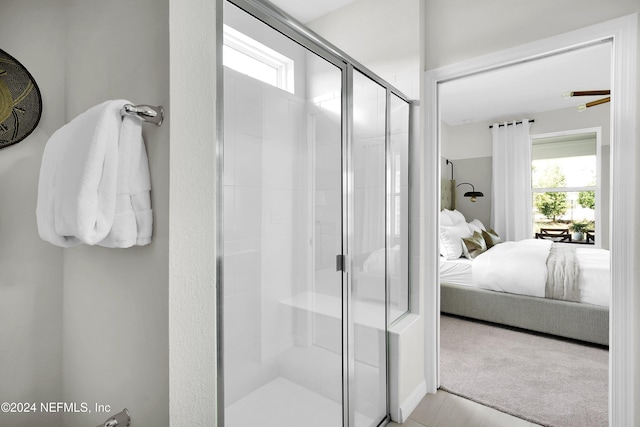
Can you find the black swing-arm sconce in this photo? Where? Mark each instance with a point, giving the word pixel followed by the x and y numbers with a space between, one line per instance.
pixel 473 193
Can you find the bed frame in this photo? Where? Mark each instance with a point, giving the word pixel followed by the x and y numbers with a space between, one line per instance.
pixel 584 322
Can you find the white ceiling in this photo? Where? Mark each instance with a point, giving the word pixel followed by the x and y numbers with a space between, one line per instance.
pixel 308 10
pixel 517 91
pixel 508 93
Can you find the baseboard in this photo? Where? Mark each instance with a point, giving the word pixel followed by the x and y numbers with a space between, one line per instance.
pixel 411 402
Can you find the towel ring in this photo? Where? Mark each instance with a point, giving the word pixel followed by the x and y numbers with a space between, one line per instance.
pixel 146 113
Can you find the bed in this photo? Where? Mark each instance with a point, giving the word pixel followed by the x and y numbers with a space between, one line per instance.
pixel 516 283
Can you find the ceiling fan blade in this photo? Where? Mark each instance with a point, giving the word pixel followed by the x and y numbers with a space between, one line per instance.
pixel 583 107
pixel 590 93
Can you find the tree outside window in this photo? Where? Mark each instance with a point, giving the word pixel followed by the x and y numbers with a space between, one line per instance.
pixel 563 178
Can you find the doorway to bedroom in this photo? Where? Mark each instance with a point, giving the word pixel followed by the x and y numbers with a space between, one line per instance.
pixel 484 309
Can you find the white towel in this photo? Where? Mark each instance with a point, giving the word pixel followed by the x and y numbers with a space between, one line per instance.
pixel 80 179
pixel 133 221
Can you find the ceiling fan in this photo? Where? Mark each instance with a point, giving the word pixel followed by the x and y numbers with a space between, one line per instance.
pixel 583 107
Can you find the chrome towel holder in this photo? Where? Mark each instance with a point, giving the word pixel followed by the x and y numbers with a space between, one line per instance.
pixel 121 419
pixel 146 113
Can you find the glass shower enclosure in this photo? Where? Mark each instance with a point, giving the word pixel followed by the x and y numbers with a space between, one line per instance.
pixel 315 225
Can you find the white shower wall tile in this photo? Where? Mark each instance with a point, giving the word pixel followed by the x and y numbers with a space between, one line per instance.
pixel 283 117
pixel 245 371
pixel 400 146
pixel 332 107
pixel 326 124
pixel 277 117
pixel 365 120
pixel 279 165
pixel 327 333
pixel 242 266
pixel 369 163
pixel 246 218
pixel 243 312
pixel 230 226
pixel 229 153
pixel 248 108
pixel 399 116
pixel 328 167
pixel 277 327
pixel 230 110
pixel 248 160
pixel 278 209
pixel 381 109
pixel 277 257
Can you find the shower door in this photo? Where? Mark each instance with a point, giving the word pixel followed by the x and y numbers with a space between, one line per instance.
pixel 305 221
pixel 283 227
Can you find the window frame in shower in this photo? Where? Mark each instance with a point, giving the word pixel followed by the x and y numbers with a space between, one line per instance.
pixel 291 28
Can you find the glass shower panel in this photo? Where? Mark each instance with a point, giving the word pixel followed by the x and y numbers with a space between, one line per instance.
pixel 369 252
pixel 282 231
pixel 398 248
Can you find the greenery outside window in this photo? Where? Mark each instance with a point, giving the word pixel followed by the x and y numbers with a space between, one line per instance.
pixel 564 177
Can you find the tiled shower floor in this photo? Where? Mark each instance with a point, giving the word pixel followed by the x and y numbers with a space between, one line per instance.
pixel 283 403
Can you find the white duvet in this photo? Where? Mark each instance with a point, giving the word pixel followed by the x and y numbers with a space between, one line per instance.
pixel 521 268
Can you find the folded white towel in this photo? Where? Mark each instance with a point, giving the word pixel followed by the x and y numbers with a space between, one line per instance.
pixel 133 219
pixel 81 183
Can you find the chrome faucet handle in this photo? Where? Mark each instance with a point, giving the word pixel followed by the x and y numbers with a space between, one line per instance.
pixel 121 419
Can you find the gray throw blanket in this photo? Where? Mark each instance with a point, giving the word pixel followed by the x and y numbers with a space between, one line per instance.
pixel 562 273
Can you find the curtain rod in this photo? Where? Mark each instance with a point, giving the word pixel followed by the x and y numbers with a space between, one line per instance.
pixel 509 124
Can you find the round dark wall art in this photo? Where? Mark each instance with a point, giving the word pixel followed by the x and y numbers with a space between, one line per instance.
pixel 20 101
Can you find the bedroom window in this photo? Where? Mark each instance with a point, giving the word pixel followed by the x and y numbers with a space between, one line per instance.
pixel 564 178
pixel 250 57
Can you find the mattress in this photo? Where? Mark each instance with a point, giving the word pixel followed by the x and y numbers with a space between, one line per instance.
pixel 456 272
pixel 594 276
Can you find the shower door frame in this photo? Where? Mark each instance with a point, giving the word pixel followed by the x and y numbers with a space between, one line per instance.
pixel 290 27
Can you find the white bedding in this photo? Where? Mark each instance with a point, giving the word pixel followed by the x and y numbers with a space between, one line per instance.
pixel 520 268
pixel 456 272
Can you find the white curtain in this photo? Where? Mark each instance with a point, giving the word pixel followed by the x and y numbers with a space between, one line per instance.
pixel 511 196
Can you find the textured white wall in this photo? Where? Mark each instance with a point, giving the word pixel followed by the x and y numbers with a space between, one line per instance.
pixel 115 330
pixel 192 269
pixel 30 269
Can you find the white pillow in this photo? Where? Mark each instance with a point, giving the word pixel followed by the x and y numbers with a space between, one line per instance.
pixel 451 239
pixel 457 216
pixel 445 218
pixel 448 218
pixel 477 225
pixel 450 244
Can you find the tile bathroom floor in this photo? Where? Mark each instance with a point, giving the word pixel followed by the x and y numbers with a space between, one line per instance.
pixel 448 410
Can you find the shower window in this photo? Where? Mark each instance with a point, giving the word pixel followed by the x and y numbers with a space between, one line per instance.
pixel 254 59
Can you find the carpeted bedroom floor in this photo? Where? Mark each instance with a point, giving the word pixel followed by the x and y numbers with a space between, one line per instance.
pixel 546 380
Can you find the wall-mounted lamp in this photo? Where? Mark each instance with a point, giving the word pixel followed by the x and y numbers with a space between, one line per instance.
pixel 473 193
pixel 449 162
